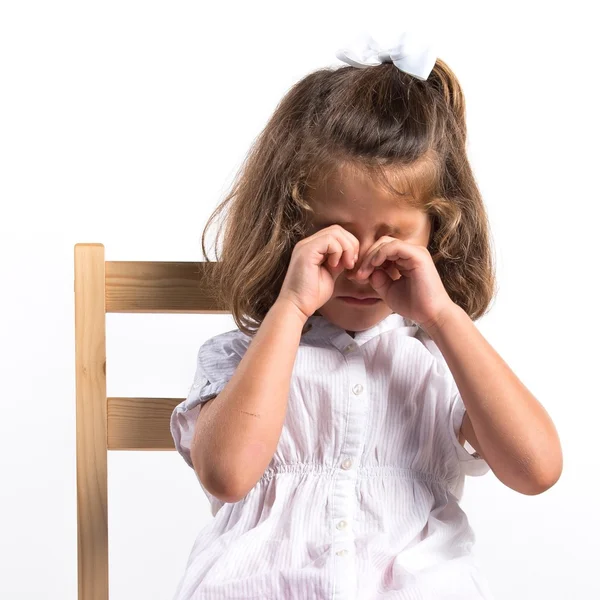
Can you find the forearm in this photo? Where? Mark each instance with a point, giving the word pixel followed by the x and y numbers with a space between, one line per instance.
pixel 515 433
pixel 239 435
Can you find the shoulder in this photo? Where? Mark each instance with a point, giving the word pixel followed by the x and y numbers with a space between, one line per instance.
pixel 433 350
pixel 233 344
pixel 429 344
pixel 233 337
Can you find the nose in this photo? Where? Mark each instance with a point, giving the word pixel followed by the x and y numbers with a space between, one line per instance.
pixel 352 273
pixel 365 243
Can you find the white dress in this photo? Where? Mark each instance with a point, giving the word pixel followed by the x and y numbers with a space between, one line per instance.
pixel 361 498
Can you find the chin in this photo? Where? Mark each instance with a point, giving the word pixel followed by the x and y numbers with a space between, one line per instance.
pixel 354 320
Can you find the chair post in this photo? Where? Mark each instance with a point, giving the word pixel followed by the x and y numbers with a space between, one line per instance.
pixel 91 422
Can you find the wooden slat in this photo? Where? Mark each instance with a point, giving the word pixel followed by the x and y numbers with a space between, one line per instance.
pixel 158 287
pixel 90 371
pixel 118 423
pixel 140 423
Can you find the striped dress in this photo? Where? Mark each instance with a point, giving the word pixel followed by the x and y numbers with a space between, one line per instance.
pixel 361 498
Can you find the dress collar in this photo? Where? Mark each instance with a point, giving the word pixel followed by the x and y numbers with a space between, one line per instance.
pixel 319 326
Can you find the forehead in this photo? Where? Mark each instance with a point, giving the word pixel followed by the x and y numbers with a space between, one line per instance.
pixel 351 194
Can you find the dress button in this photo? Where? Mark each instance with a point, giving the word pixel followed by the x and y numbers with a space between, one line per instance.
pixel 342 552
pixel 349 348
pixel 357 389
pixel 341 524
pixel 195 385
pixel 347 463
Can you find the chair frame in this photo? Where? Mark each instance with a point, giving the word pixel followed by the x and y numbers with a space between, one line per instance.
pixel 102 423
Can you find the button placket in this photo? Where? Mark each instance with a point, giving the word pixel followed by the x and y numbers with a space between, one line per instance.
pixel 353 408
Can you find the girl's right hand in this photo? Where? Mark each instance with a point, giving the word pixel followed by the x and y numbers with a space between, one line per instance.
pixel 315 264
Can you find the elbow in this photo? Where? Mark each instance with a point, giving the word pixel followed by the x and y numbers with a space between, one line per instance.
pixel 528 484
pixel 530 477
pixel 548 480
pixel 221 489
pixel 550 466
pixel 552 470
pixel 543 481
pixel 220 483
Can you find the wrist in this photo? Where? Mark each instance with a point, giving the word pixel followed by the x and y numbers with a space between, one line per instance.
pixel 288 307
pixel 436 324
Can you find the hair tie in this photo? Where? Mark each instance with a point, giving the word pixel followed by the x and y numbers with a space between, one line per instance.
pixel 409 52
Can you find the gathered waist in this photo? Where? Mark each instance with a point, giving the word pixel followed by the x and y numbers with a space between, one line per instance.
pixel 362 471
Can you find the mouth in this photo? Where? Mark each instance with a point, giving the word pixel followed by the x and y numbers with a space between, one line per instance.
pixel 359 301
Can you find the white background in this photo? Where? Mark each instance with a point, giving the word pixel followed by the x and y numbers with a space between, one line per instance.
pixel 124 122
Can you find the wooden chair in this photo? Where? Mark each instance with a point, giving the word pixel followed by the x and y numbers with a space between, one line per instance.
pixel 103 423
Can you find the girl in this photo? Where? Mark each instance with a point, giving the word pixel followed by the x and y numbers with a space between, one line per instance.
pixel 328 429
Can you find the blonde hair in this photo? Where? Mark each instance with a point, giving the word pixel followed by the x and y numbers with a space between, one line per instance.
pixel 383 122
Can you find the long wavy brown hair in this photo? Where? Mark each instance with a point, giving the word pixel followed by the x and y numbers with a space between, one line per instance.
pixel 389 125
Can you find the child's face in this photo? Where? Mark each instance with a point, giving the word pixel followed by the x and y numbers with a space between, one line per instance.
pixel 367 212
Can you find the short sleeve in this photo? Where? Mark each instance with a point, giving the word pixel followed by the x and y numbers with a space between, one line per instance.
pixel 216 362
pixel 470 463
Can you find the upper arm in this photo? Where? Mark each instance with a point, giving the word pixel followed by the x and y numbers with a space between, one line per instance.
pixel 202 417
pixel 205 405
pixel 202 471
pixel 216 362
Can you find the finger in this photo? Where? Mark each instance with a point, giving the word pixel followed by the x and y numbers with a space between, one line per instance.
pixel 335 249
pixel 395 251
pixel 383 247
pixel 329 247
pixel 351 247
pixel 392 264
pixel 392 271
pixel 369 259
pixel 346 248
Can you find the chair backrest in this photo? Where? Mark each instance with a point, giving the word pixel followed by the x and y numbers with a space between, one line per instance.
pixel 103 423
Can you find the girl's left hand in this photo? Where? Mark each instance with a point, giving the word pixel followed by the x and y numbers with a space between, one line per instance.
pixel 405 277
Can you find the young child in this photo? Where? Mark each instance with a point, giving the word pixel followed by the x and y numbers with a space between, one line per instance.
pixel 328 434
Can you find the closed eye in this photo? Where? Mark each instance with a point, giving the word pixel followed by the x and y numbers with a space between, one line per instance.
pixel 387 230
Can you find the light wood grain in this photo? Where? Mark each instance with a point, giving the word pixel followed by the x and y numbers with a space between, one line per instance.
pixel 90 374
pixel 158 287
pixel 140 423
pixel 103 423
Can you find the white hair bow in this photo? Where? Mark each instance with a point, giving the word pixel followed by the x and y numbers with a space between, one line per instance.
pixel 408 52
